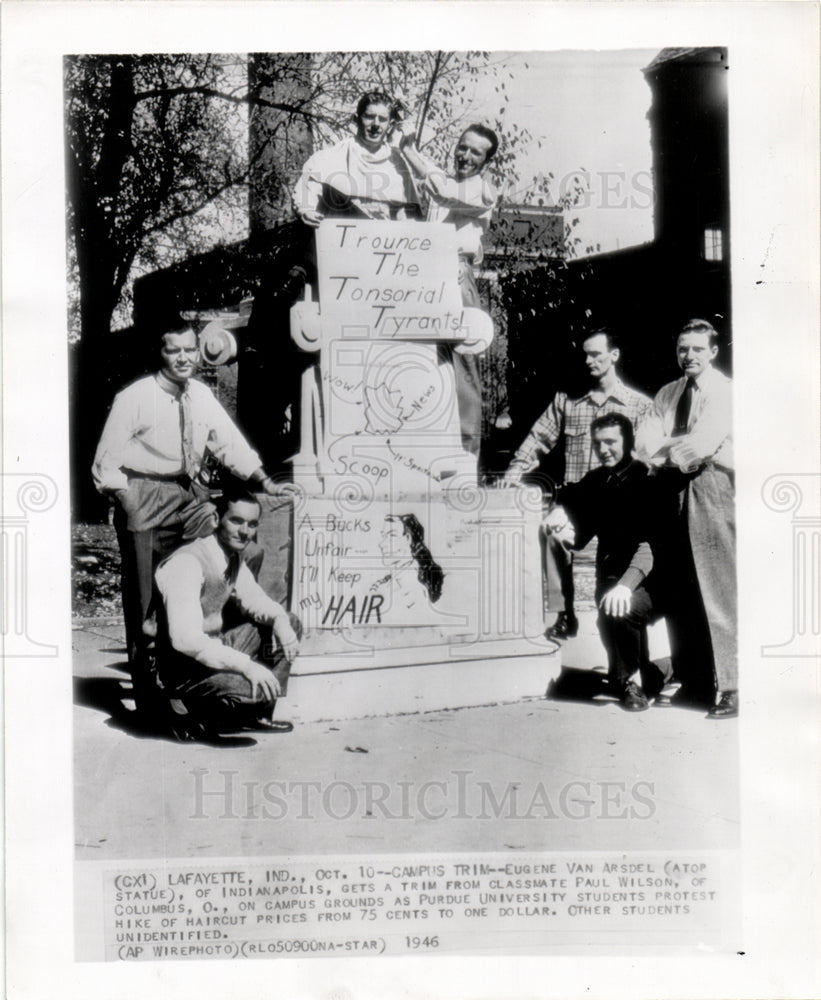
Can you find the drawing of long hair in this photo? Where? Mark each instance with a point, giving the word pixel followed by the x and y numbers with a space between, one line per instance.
pixel 429 573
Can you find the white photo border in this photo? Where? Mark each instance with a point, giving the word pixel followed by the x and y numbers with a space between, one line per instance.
pixel 774 173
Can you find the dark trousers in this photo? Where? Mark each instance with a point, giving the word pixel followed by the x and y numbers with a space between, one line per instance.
pixel 625 640
pixel 149 531
pixel 152 528
pixel 221 699
pixel 690 646
pixel 558 575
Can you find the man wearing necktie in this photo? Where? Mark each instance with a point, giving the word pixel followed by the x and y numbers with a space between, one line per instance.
pixel 149 460
pixel 687 440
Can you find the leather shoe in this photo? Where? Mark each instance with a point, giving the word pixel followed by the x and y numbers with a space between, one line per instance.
pixel 667 696
pixel 270 726
pixel 727 707
pixel 633 699
pixel 566 626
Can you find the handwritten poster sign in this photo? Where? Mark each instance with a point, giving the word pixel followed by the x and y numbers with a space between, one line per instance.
pixel 457 571
pixel 396 282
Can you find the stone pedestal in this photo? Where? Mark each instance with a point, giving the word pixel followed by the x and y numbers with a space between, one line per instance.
pixel 417 589
pixel 459 573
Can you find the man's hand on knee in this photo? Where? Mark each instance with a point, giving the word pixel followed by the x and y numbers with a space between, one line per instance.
pixel 264 686
pixel 616 602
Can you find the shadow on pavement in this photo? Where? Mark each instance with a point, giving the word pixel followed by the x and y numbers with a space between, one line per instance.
pixel 578 684
pixel 591 687
pixel 103 693
pixel 106 694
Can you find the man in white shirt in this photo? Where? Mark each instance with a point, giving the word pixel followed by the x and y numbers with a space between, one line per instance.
pixel 150 461
pixel 214 676
pixel 687 440
pixel 466 198
pixel 363 175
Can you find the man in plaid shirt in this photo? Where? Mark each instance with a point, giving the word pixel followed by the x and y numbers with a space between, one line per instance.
pixel 608 394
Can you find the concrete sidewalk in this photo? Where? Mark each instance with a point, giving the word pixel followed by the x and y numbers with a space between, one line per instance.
pixel 536 774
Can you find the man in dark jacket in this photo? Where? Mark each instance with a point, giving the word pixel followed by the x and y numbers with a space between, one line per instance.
pixel 614 503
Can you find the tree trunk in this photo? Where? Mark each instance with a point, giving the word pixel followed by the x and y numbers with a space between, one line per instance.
pixel 279 143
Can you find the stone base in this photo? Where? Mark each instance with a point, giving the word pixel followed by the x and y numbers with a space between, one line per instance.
pixel 347 693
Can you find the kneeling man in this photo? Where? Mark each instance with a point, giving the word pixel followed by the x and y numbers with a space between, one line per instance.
pixel 613 503
pixel 216 674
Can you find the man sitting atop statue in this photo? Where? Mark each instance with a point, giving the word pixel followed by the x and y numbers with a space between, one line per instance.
pixel 363 176
pixel 222 676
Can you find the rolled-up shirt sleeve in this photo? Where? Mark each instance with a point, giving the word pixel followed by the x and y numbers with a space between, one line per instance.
pixel 308 189
pixel 179 582
pixel 306 194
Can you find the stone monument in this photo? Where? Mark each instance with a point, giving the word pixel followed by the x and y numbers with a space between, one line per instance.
pixel 418 588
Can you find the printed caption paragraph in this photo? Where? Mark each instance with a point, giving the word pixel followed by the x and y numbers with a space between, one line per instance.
pixel 479 903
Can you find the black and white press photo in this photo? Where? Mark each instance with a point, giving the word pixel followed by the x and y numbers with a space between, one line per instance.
pixel 404 494
pixel 433 554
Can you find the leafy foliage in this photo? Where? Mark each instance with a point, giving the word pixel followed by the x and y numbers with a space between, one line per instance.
pixel 155 159
pixel 95 572
pixel 158 160
pixel 437 90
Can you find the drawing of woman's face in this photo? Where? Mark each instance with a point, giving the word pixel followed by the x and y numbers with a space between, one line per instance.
pixel 394 545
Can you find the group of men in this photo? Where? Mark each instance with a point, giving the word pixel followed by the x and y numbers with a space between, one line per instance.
pixel 653 481
pixel 183 562
pixel 195 673
pixel 209 650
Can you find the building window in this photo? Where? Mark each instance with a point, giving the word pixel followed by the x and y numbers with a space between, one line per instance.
pixel 713 249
